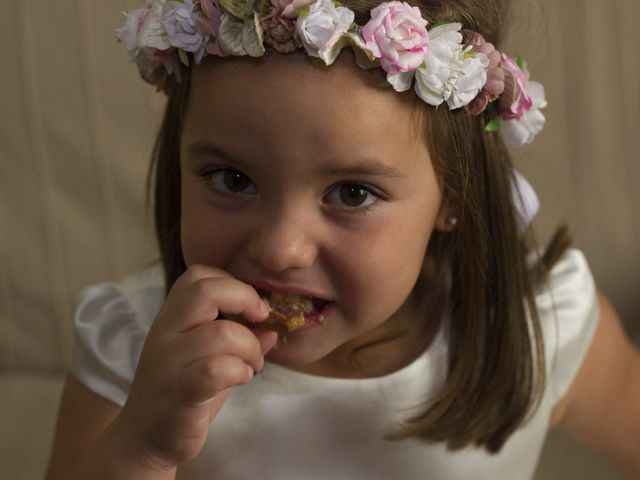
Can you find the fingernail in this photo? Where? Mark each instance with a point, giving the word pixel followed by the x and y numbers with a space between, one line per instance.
pixel 264 308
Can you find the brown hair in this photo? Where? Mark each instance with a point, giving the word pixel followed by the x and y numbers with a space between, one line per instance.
pixel 496 371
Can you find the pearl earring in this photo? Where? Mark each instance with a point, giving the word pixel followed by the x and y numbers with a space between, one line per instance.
pixel 452 220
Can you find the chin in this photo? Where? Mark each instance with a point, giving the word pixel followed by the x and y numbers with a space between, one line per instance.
pixel 287 354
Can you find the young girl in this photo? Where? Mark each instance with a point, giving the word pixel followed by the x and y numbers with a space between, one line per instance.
pixel 349 157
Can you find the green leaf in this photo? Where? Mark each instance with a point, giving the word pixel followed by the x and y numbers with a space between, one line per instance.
pixel 384 84
pixel 303 11
pixel 520 63
pixel 493 125
pixel 437 24
pixel 492 109
pixel 241 9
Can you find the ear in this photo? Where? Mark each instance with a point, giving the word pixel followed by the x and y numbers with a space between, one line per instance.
pixel 448 219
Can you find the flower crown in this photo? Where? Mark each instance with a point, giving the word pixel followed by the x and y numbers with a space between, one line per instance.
pixel 445 63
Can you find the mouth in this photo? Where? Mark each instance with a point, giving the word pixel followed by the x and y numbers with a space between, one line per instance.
pixel 290 312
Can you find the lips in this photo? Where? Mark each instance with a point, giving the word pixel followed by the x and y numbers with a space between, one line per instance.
pixel 282 302
pixel 291 310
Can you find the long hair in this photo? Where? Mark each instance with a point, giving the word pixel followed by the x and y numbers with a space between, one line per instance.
pixel 480 271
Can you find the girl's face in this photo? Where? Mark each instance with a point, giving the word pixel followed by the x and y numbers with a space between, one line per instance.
pixel 310 180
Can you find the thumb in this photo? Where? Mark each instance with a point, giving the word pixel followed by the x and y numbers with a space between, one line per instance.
pixel 267 339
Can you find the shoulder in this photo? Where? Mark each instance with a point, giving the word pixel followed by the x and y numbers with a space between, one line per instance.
pixel 111 322
pixel 570 279
pixel 140 294
pixel 568 310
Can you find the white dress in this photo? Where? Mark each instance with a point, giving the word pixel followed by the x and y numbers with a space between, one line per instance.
pixel 286 425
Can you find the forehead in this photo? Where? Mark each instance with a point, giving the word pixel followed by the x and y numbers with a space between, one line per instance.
pixel 287 104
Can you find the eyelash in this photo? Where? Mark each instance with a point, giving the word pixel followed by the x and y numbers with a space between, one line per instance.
pixel 361 186
pixel 208 173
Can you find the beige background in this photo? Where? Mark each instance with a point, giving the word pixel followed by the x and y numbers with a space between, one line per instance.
pixel 75 135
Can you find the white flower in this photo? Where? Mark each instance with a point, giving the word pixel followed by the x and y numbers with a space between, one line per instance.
pixel 401 82
pixel 128 33
pixel 152 35
pixel 148 44
pixel 451 72
pixel 517 133
pixel 323 27
pixel 471 78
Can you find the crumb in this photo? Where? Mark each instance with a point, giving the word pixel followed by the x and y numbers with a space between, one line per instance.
pixel 286 313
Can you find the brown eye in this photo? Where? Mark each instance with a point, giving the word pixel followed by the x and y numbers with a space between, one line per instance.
pixel 232 181
pixel 352 195
pixel 236 181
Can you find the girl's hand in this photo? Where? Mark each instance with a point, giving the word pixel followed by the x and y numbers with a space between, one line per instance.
pixel 189 363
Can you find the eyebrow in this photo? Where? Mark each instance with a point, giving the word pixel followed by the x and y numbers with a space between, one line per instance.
pixel 369 167
pixel 201 149
pixel 373 168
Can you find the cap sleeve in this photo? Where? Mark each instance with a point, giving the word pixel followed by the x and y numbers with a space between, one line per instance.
pixel 568 311
pixel 111 323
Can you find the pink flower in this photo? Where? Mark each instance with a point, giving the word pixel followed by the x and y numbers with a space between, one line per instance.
pixel 495 75
pixel 289 8
pixel 397 35
pixel 514 101
pixel 129 32
pixel 519 132
pixel 208 21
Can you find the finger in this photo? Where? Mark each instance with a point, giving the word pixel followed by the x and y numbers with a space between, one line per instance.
pixel 204 299
pixel 267 339
pixel 209 376
pixel 221 337
pixel 196 272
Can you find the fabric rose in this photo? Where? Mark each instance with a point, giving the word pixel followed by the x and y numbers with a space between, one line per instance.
pixel 514 101
pixel 182 30
pixel 280 32
pixel 521 131
pixel 397 35
pixel 467 82
pixel 451 73
pixel 495 75
pixel 322 27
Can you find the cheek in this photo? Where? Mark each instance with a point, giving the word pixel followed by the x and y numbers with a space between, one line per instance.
pixel 208 237
pixel 380 267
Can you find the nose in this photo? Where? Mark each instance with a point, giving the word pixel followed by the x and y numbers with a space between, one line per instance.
pixel 283 241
